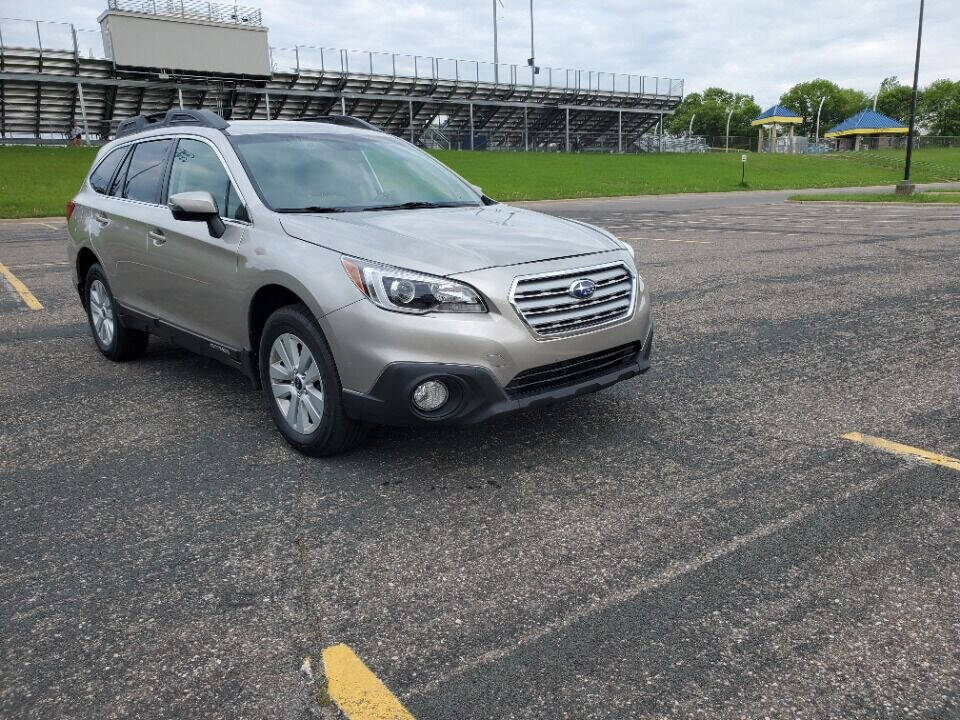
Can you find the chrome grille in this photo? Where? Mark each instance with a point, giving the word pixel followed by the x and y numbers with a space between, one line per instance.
pixel 545 304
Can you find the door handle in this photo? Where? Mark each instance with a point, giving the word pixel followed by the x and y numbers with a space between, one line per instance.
pixel 102 219
pixel 157 236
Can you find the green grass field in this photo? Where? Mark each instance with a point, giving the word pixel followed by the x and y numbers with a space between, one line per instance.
pixel 924 197
pixel 38 182
pixel 538 176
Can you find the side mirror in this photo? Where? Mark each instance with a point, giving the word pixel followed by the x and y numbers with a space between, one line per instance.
pixel 197 206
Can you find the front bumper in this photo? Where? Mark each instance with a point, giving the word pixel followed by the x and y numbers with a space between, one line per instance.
pixel 476 395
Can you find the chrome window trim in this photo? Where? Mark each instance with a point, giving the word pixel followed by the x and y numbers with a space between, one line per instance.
pixel 573 271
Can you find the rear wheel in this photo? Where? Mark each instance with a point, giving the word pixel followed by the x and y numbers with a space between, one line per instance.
pixel 113 339
pixel 301 386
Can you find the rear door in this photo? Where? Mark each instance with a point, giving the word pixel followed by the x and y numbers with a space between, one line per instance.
pixel 103 217
pixel 196 286
pixel 136 194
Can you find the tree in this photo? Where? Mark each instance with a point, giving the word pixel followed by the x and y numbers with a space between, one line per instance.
pixel 894 100
pixel 711 108
pixel 938 109
pixel 804 98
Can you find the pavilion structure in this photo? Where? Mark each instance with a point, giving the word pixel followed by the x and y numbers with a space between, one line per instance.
pixel 770 120
pixel 867 124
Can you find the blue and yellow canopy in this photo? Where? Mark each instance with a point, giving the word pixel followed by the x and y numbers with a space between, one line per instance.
pixel 777 114
pixel 867 122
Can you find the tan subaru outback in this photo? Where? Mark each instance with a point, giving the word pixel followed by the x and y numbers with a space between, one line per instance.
pixel 352 277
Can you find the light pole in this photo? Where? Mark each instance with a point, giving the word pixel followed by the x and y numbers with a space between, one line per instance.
pixel 877 97
pixel 726 147
pixel 496 56
pixel 690 129
pixel 906 187
pixel 532 62
pixel 816 137
pixel 496 51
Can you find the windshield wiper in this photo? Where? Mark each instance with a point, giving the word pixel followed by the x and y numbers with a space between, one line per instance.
pixel 414 205
pixel 316 209
pixel 418 205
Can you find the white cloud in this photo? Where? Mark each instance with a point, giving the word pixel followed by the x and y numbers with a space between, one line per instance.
pixel 749 46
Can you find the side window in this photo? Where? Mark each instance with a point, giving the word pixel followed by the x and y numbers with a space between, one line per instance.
pixel 145 171
pixel 100 177
pixel 196 166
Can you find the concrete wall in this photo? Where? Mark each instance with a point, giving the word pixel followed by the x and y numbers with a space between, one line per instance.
pixel 172 43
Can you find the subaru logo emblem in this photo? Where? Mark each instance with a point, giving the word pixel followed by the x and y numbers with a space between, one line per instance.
pixel 582 289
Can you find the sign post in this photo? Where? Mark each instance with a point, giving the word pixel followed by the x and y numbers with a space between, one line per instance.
pixel 743 169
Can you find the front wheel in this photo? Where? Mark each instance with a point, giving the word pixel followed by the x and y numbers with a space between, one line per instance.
pixel 301 386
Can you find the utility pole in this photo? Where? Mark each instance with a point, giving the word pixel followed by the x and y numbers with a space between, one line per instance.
pixel 726 147
pixel 906 187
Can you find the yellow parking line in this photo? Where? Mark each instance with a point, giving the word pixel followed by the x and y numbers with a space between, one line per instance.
pixel 356 690
pixel 28 297
pixel 898 449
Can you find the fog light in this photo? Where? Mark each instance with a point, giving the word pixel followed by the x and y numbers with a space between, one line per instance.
pixel 430 395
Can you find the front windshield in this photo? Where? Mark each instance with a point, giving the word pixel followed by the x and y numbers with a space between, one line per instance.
pixel 340 173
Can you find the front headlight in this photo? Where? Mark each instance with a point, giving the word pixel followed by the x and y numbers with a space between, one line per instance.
pixel 406 291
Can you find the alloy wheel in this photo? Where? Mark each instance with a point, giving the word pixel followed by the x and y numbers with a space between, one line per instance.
pixel 296 383
pixel 101 311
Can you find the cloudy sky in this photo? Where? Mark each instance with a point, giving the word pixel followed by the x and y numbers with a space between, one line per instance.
pixel 761 47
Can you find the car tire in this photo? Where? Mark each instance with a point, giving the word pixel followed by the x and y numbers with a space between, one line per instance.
pixel 301 386
pixel 113 339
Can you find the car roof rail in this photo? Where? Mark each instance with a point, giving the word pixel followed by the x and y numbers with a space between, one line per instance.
pixel 345 120
pixel 134 125
pixel 175 117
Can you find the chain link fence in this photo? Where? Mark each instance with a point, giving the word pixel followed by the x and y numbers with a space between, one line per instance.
pixel 580 142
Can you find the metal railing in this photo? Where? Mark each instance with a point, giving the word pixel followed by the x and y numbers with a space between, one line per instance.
pixel 194 9
pixel 55 36
pixel 300 58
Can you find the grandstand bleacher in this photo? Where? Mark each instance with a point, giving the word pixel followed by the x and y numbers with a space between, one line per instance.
pixel 54 76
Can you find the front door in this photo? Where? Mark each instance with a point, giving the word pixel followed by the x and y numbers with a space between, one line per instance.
pixel 196 286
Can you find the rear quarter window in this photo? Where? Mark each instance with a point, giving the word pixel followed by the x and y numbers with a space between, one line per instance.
pixel 104 171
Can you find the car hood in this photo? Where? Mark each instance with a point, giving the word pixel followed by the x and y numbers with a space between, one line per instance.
pixel 445 241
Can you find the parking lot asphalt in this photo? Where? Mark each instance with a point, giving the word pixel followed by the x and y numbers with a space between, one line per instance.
pixel 699 542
